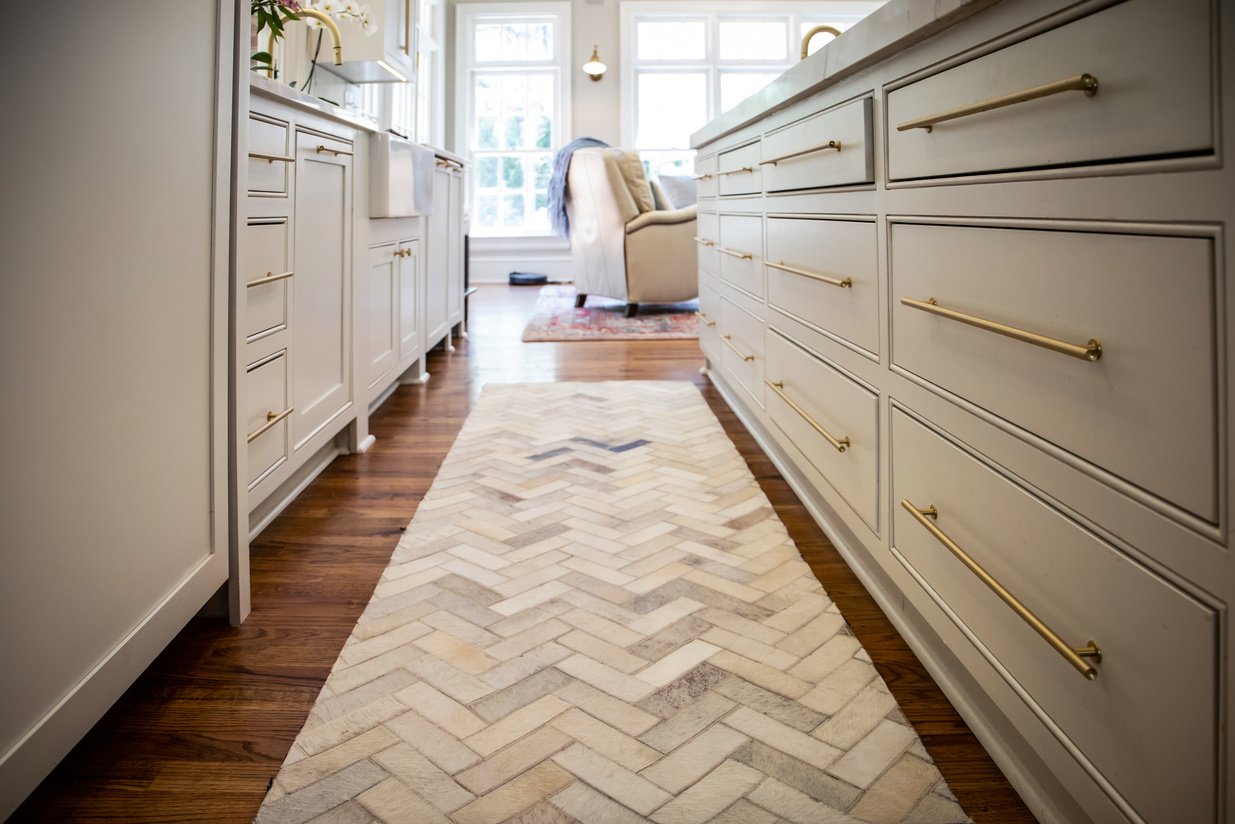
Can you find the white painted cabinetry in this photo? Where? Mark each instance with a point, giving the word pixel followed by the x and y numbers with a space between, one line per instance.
pixel 444 253
pixel 973 300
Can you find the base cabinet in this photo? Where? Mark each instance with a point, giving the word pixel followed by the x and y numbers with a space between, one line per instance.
pixel 391 316
pixel 444 253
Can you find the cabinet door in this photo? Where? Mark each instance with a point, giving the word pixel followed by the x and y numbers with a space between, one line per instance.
pixel 454 250
pixel 321 383
pixel 382 304
pixel 409 300
pixel 437 316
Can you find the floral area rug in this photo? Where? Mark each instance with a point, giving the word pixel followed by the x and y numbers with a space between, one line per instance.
pixel 556 319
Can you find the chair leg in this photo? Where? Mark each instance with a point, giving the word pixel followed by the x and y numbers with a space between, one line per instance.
pixel 580 299
pixel 632 309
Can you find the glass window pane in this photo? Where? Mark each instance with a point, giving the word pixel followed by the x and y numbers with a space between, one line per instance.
pixel 540 41
pixel 671 40
pixel 486 172
pixel 488 42
pixel 486 210
pixel 488 95
pixel 754 40
pixel 513 212
pixel 671 105
pixel 542 169
pixel 513 133
pixel 486 133
pixel 737 86
pixel 512 172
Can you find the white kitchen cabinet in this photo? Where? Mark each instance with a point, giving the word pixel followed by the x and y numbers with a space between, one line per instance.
pixel 391 317
pixel 410 320
pixel 444 263
pixel 388 56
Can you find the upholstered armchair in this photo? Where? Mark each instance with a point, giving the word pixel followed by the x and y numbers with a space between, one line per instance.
pixel 623 246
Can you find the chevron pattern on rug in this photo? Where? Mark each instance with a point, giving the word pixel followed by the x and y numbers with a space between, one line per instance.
pixel 596 616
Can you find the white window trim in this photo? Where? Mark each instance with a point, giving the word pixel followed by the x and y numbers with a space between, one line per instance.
pixel 465 13
pixel 840 10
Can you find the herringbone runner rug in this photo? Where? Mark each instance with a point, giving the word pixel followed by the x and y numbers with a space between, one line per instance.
pixel 596 616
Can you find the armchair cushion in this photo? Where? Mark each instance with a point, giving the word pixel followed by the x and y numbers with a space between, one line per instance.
pixel 661 217
pixel 631 167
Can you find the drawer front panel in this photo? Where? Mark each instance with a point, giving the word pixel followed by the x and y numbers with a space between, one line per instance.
pixel 741 252
pixel 708 227
pixel 266 397
pixel 824 252
pixel 1154 97
pixel 831 401
pixel 738 171
pixel 705 173
pixel 832 148
pixel 268 175
pixel 265 268
pixel 1148 721
pixel 741 339
pixel 1145 410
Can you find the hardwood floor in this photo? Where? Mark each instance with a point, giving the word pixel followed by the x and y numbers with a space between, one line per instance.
pixel 201 733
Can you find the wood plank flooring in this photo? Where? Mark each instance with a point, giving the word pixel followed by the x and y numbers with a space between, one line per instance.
pixel 201 733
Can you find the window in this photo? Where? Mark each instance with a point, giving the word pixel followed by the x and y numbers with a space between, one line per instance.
pixel 514 72
pixel 686 62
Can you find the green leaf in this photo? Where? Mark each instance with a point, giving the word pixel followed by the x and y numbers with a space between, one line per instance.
pixel 262 57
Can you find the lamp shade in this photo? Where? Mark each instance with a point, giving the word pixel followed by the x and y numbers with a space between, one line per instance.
pixel 593 68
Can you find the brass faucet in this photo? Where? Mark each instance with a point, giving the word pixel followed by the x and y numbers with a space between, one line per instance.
pixel 835 32
pixel 326 21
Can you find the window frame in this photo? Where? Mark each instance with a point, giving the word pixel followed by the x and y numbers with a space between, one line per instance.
pixel 466 66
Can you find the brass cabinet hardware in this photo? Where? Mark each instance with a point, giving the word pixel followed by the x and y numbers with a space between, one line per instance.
pixel 336 152
pixel 272 419
pixel 1089 351
pixel 444 163
pixel 831 144
pixel 706 320
pixel 734 253
pixel 728 339
pixel 1086 83
pixel 839 444
pixel 402 253
pixel 272 158
pixel 741 171
pixel 270 277
pixel 707 176
pixel 1075 655
pixel 844 283
pixel 705 241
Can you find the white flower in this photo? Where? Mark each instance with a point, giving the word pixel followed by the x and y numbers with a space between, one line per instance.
pixel 352 8
pixel 366 25
pixel 328 6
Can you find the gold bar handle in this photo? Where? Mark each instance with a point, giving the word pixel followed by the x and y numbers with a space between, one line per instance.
pixel 707 176
pixel 839 444
pixel 1075 655
pixel 735 253
pixel 272 419
pixel 831 144
pixel 728 339
pixel 271 277
pixel 272 158
pixel 336 152
pixel 844 283
pixel 1089 351
pixel 705 242
pixel 741 171
pixel 1086 83
pixel 706 320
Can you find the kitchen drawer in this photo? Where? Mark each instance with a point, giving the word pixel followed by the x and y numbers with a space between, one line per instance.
pixel 831 148
pixel 825 273
pixel 708 226
pixel 705 174
pixel 737 170
pixel 741 337
pixel 270 156
pixel 1152 62
pixel 267 273
pixel 741 252
pixel 1148 722
pixel 709 314
pixel 267 412
pixel 830 418
pixel 1145 410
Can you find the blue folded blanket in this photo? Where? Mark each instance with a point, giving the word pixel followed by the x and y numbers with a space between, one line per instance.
pixel 557 183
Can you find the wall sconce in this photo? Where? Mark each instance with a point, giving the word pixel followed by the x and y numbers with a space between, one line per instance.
pixel 593 68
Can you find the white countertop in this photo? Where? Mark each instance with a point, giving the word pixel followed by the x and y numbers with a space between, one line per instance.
pixel 889 29
pixel 286 94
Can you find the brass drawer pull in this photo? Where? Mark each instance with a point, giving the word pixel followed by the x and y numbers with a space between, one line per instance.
pixel 844 283
pixel 839 444
pixel 403 253
pixel 271 277
pixel 1090 351
pixel 728 339
pixel 1086 83
pixel 272 158
pixel 336 152
pixel 831 144
pixel 707 176
pixel 741 171
pixel 734 253
pixel 1075 655
pixel 443 163
pixel 272 419
pixel 706 320
pixel 705 241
